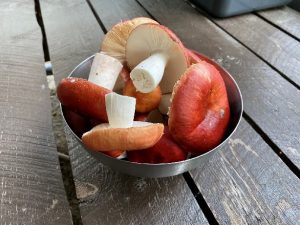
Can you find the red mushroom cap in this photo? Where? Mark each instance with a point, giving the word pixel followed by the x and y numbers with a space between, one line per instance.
pixel 83 97
pixel 164 151
pixel 199 112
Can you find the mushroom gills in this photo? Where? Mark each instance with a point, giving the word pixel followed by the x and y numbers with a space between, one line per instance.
pixel 156 57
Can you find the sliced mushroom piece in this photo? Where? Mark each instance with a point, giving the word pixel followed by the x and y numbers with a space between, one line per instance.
pixel 155 54
pixel 115 40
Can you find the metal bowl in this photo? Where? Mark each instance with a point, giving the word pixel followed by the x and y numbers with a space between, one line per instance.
pixel 168 169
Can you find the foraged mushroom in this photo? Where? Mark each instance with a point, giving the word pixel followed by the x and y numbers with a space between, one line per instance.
pixel 145 102
pixel 155 54
pixel 199 112
pixel 83 97
pixel 115 40
pixel 164 151
pixel 122 132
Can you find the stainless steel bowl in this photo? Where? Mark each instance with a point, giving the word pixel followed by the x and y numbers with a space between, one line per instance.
pixel 169 169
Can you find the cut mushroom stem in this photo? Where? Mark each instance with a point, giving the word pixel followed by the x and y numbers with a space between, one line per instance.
pixel 120 110
pixel 147 74
pixel 105 70
pixel 156 56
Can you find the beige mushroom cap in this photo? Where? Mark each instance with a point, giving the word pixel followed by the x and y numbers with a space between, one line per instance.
pixel 115 40
pixel 141 136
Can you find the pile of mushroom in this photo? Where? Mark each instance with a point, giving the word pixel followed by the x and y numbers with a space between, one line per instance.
pixel 143 71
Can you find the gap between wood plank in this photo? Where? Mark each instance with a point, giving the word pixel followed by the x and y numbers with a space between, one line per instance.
pixel 274 147
pixel 255 126
pixel 258 56
pixel 265 137
pixel 275 25
pixel 65 165
pixel 200 199
pixel 39 18
pixel 189 180
pixel 97 17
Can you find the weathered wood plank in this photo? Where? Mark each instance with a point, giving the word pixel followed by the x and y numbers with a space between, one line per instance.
pixel 285 18
pixel 107 197
pixel 270 100
pixel 122 10
pixel 276 47
pixel 31 186
pixel 72 32
pixel 245 182
pixel 252 184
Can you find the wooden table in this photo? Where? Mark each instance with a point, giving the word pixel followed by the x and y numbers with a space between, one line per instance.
pixel 254 179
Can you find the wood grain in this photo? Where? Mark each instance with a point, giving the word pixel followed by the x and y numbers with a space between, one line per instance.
pixel 245 182
pixel 252 184
pixel 108 197
pixel 285 18
pixel 118 10
pixel 270 100
pixel 73 34
pixel 31 186
pixel 276 47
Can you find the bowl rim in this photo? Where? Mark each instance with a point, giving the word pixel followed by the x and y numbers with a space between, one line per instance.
pixel 171 163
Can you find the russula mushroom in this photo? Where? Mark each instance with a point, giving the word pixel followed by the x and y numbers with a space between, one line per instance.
pixel 83 97
pixel 145 102
pixel 155 55
pixel 105 71
pixel 80 125
pixel 122 132
pixel 199 112
pixel 164 151
pixel 166 98
pixel 115 40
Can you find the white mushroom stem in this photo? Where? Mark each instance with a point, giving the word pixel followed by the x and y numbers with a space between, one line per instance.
pixel 147 74
pixel 120 110
pixel 105 71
